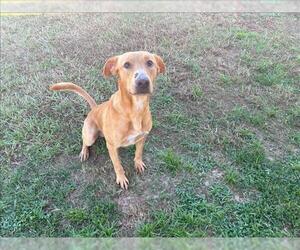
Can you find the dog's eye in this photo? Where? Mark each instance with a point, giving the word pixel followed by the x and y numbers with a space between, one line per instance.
pixel 149 63
pixel 127 65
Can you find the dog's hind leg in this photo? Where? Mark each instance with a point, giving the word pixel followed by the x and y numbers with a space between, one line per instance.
pixel 90 134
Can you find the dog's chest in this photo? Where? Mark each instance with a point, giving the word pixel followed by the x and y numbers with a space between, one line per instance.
pixel 133 138
pixel 139 104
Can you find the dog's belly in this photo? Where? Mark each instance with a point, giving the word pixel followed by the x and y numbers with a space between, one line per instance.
pixel 133 138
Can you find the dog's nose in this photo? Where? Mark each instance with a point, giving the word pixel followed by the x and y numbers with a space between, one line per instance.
pixel 143 83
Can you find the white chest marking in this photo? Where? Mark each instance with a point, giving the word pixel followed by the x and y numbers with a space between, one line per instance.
pixel 133 138
pixel 139 104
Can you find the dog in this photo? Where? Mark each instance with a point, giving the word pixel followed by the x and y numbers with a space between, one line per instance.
pixel 125 119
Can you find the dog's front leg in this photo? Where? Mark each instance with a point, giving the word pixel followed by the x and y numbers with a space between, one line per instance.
pixel 138 159
pixel 137 123
pixel 120 173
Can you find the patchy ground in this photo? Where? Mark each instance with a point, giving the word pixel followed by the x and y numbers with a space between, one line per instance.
pixel 223 156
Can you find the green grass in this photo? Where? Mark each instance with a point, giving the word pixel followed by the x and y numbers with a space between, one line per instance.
pixel 293 116
pixel 222 158
pixel 271 73
pixel 231 176
pixel 171 161
pixel 252 154
pixel 218 213
pixel 197 92
pixel 40 208
pixel 295 138
pixel 241 114
pixel 226 79
pixel 194 67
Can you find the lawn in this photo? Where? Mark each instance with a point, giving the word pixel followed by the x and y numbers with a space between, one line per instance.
pixel 223 155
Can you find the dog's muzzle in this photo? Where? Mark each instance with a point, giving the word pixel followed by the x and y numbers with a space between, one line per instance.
pixel 142 83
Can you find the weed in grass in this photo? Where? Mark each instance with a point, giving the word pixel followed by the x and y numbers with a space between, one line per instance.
pixel 76 215
pixel 176 118
pixel 257 119
pixel 195 147
pixel 175 163
pixel 247 58
pixel 245 134
pixel 245 35
pixel 231 176
pixel 155 122
pixel 220 194
pixel 296 166
pixel 241 114
pixel 171 160
pixel 293 116
pixel 163 100
pixel 251 154
pixel 148 229
pixel 226 79
pixel 180 223
pixel 49 63
pixel 295 138
pixel 194 67
pixel 252 40
pixel 271 73
pixel 179 120
pixel 197 92
pixel 271 112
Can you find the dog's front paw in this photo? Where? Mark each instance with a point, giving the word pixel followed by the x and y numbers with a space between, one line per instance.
pixel 84 154
pixel 123 181
pixel 139 166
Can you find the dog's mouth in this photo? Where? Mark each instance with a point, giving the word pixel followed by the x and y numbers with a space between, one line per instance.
pixel 141 93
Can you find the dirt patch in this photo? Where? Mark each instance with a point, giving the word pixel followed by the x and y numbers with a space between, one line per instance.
pixel 213 176
pixel 133 208
pixel 151 194
pixel 244 196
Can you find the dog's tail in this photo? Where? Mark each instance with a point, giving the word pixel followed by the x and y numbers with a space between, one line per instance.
pixel 68 86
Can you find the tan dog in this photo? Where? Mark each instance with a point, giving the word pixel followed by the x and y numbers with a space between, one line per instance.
pixel 124 119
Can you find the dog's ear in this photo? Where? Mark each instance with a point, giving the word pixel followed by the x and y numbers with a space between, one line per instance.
pixel 109 68
pixel 160 64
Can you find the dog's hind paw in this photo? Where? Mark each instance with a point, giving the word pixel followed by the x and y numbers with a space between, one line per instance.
pixel 84 154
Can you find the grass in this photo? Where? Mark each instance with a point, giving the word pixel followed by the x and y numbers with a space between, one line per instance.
pixel 270 73
pixel 251 154
pixel 197 92
pixel 231 176
pixel 241 114
pixel 295 137
pixel 222 158
pixel 171 160
pixel 226 79
pixel 293 116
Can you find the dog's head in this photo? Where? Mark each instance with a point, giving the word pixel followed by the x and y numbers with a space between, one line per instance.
pixel 136 71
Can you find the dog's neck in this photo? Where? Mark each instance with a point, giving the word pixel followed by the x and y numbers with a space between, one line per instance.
pixel 133 106
pixel 133 103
